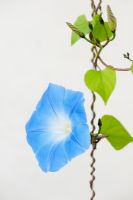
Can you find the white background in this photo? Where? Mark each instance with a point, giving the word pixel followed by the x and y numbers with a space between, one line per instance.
pixel 35 50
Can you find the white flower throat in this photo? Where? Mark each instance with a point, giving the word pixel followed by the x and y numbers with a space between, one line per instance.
pixel 64 126
pixel 61 128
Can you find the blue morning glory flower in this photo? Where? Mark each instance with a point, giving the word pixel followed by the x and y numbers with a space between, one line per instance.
pixel 57 130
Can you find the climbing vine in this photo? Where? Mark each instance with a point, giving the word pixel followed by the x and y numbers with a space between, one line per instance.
pixel 102 78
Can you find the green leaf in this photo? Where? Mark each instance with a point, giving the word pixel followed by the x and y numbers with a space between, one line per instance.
pixel 95 20
pixel 82 24
pixel 101 30
pixel 116 133
pixel 103 82
pixel 132 67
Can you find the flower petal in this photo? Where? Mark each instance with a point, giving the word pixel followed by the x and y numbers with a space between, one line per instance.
pixel 73 148
pixel 71 100
pixel 58 157
pixel 38 139
pixel 52 157
pixel 43 156
pixel 79 115
pixel 56 97
pixel 81 134
pixel 42 115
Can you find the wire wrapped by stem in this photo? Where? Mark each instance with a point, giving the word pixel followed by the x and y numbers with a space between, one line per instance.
pixel 93 141
pixel 92 172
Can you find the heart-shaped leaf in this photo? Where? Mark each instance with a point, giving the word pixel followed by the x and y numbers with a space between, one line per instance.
pixel 103 82
pixel 116 133
pixel 81 24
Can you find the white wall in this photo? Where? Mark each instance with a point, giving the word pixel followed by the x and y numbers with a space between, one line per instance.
pixel 35 50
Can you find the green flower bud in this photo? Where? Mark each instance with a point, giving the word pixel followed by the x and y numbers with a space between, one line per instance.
pixel 111 19
pixel 75 30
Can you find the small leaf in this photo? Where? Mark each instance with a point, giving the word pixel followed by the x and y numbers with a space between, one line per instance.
pixel 111 19
pixel 81 24
pixel 116 133
pixel 101 30
pixel 132 67
pixel 103 82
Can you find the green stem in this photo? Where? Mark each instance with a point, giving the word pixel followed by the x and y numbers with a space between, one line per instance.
pixel 97 56
pixel 91 42
pixel 114 68
pixel 99 6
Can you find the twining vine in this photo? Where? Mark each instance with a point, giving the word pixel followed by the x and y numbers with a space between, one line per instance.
pixel 93 138
pixel 99 34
